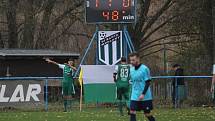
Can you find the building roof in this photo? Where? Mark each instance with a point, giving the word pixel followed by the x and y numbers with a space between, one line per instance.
pixel 36 53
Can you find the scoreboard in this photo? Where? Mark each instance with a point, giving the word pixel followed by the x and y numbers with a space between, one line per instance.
pixel 110 11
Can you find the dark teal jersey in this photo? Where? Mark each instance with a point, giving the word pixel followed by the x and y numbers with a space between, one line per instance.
pixel 123 75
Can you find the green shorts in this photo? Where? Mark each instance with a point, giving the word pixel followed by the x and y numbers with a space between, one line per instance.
pixel 123 92
pixel 68 89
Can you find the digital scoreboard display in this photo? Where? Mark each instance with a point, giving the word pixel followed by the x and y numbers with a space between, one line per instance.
pixel 110 11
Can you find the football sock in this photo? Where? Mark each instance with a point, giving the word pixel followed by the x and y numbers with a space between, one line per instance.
pixel 121 108
pixel 128 107
pixel 132 117
pixel 69 102
pixel 128 111
pixel 65 105
pixel 151 118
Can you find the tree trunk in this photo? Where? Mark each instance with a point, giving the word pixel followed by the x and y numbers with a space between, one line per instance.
pixel 29 25
pixel 136 33
pixel 43 39
pixel 213 11
pixel 207 28
pixel 1 41
pixel 12 25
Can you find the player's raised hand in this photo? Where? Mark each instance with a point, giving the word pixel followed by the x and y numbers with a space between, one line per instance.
pixel 48 60
pixel 51 61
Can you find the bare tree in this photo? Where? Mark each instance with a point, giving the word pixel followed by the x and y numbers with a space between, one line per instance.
pixel 148 25
pixel 44 28
pixel 207 27
pixel 29 25
pixel 12 25
pixel 213 11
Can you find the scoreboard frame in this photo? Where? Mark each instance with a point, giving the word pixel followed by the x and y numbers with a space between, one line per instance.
pixel 111 21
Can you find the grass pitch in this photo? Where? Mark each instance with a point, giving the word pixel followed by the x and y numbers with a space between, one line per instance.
pixel 108 114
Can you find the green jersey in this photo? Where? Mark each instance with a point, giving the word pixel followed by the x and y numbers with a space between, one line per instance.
pixel 123 75
pixel 67 82
pixel 67 73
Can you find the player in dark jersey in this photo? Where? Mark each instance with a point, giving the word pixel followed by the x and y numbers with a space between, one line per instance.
pixel 67 82
pixel 121 78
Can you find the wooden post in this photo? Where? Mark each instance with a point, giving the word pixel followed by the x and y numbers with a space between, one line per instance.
pixel 81 98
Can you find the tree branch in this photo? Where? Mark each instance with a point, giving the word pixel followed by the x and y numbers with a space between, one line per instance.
pixel 80 34
pixel 61 17
pixel 151 53
pixel 159 51
pixel 165 7
pixel 165 37
pixel 164 23
pixel 142 18
pixel 167 43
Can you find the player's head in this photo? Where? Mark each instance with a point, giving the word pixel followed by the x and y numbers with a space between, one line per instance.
pixel 123 60
pixel 71 62
pixel 134 58
pixel 175 66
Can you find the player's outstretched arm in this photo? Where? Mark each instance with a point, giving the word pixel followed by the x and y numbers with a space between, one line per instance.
pixel 73 67
pixel 51 61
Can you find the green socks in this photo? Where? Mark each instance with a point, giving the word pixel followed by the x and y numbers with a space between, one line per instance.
pixel 69 102
pixel 121 108
pixel 65 105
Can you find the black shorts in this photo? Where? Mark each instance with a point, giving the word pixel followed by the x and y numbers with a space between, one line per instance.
pixel 145 106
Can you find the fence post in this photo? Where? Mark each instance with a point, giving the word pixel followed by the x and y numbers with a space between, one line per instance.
pixel 176 92
pixel 46 95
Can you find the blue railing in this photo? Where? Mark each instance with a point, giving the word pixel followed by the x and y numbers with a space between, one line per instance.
pixel 46 79
pixel 30 78
pixel 169 77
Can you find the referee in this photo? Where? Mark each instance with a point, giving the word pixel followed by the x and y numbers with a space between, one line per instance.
pixel 141 96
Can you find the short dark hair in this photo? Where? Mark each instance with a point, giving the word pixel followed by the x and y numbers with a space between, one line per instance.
pixel 134 54
pixel 123 59
pixel 176 65
pixel 70 59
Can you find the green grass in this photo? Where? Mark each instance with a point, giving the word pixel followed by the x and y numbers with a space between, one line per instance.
pixel 194 114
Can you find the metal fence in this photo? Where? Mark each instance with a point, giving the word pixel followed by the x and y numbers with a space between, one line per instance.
pixel 196 89
pixel 161 87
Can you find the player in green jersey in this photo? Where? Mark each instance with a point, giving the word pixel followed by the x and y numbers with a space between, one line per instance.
pixel 67 82
pixel 121 77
